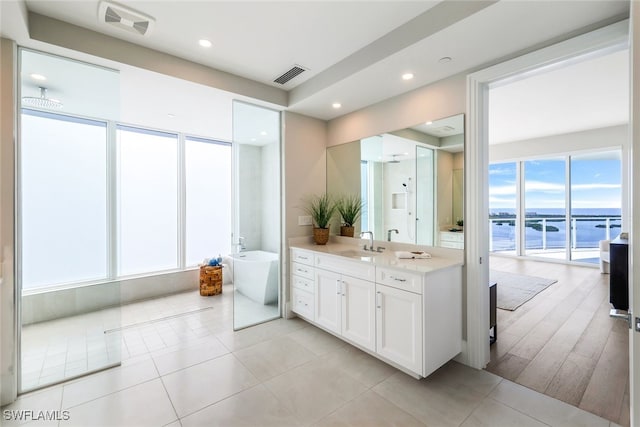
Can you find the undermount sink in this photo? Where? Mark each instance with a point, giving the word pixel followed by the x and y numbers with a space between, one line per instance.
pixel 354 253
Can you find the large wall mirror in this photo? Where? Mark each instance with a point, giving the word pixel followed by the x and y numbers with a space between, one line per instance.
pixel 410 180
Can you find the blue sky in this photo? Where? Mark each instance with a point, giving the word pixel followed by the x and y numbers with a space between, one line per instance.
pixel 595 183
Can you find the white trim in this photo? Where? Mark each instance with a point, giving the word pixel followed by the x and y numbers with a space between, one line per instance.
pixel 634 208
pixel 476 163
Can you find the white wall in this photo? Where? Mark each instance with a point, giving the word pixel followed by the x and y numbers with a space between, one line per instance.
pixel 441 99
pixel 270 197
pixel 304 173
pixel 594 139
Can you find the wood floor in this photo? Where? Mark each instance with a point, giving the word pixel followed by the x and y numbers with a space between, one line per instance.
pixel 563 343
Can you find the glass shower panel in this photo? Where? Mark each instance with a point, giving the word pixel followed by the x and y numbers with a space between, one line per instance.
pixel 424 196
pixel 70 316
pixel 257 235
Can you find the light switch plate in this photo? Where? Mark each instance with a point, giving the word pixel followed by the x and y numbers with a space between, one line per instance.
pixel 305 220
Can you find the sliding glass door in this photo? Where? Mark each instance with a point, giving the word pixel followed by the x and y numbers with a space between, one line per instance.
pixel 558 208
pixel 545 208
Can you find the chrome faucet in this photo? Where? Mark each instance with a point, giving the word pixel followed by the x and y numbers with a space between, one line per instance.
pixel 241 245
pixel 389 233
pixel 370 233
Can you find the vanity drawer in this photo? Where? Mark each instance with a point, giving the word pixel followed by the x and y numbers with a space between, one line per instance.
pixel 400 280
pixel 342 265
pixel 303 283
pixel 302 303
pixel 302 256
pixel 302 270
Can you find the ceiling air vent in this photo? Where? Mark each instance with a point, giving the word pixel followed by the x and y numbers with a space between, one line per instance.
pixel 125 18
pixel 295 71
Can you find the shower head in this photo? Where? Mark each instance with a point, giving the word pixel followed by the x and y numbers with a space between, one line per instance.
pixel 394 160
pixel 42 101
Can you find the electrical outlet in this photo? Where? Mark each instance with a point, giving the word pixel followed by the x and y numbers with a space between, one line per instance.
pixel 305 220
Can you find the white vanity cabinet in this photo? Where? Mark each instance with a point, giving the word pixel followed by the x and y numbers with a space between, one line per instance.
pixel 345 305
pixel 407 313
pixel 452 239
pixel 399 326
pixel 302 283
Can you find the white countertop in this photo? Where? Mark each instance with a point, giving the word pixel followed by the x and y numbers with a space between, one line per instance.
pixel 386 259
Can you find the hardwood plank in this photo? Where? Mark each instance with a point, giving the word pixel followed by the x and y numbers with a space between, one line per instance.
pixel 592 342
pixel 539 373
pixel 605 393
pixel 572 379
pixel 573 352
pixel 509 367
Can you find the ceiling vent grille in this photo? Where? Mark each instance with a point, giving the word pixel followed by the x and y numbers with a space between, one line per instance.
pixel 294 72
pixel 124 18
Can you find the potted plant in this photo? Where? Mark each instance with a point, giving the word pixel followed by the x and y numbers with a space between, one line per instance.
pixel 321 208
pixel 350 209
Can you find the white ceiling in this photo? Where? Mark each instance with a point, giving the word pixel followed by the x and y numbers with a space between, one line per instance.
pixel 588 94
pixel 355 51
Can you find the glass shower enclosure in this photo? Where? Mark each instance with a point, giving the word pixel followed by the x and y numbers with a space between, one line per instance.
pixel 257 229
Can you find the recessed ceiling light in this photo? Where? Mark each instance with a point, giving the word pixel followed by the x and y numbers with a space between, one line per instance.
pixel 429 123
pixel 445 59
pixel 263 133
pixel 407 76
pixel 171 115
pixel 336 105
pixel 204 43
pixel 253 140
pixel 39 77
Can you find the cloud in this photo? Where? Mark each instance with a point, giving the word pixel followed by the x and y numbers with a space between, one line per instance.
pixel 502 171
pixel 502 190
pixel 595 186
pixel 543 187
pixel 502 202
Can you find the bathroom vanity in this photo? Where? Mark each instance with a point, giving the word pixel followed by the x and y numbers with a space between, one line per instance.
pixel 406 312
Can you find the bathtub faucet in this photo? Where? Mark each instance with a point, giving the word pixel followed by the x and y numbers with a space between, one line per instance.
pixel 389 233
pixel 241 245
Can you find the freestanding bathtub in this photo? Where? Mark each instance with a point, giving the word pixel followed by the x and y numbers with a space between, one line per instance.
pixel 255 275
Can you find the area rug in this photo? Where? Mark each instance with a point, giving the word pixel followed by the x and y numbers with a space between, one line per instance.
pixel 516 289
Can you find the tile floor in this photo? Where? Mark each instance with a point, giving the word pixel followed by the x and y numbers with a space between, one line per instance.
pixel 61 349
pixel 281 373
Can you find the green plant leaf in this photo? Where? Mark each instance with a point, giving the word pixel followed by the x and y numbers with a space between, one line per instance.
pixel 350 208
pixel 321 208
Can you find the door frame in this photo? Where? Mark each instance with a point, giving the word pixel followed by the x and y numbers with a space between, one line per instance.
pixel 611 37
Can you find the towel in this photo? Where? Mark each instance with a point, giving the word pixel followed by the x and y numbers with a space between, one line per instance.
pixel 412 255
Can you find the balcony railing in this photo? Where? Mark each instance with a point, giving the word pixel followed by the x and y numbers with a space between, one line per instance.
pixel 548 233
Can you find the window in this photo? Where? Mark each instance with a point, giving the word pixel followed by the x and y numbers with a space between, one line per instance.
pixel 502 207
pixel 98 204
pixel 208 199
pixel 545 207
pixel 147 200
pixel 63 181
pixel 570 204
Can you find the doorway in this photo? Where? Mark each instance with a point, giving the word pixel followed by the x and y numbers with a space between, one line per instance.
pixel 608 39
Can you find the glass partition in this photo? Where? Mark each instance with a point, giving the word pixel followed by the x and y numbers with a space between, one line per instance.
pixel 65 221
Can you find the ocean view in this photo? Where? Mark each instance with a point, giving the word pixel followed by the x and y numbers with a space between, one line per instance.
pixel 590 227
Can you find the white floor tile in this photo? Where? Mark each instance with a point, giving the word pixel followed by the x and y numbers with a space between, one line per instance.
pixel 544 408
pixel 253 407
pixel 142 405
pixel 107 382
pixel 193 388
